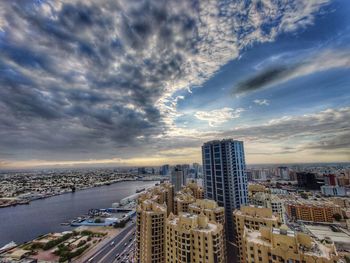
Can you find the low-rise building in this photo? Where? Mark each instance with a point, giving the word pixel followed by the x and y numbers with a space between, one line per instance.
pixel 284 245
pixel 330 190
pixel 314 211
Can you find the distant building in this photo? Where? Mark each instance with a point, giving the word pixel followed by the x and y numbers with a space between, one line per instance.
pixel 141 170
pixel 313 211
pixel 259 174
pixel 284 245
pixel 196 169
pixel 177 178
pixel 193 239
pixel 225 178
pixel 330 190
pixel 309 181
pixel 283 172
pixel 344 180
pixel 330 179
pixel 165 170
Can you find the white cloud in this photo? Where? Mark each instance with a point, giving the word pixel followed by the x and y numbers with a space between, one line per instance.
pixel 262 102
pixel 218 116
pixel 121 66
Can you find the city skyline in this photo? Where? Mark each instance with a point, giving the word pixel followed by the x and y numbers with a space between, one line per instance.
pixel 99 83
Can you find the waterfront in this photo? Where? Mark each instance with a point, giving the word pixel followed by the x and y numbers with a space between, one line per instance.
pixel 25 222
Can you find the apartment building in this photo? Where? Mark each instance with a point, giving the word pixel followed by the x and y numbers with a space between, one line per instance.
pixel 192 238
pixel 197 191
pixel 284 245
pixel 182 201
pixel 209 208
pixel 252 217
pixel 313 211
pixel 150 232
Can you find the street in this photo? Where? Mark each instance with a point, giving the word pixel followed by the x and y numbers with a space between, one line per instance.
pixel 120 245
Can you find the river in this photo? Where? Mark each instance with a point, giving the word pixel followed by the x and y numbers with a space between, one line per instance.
pixel 25 222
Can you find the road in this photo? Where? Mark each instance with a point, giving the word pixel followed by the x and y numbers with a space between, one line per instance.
pixel 121 246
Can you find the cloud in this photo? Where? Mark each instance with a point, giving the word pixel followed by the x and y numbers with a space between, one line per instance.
pixel 262 102
pixel 329 127
pixel 87 79
pixel 280 73
pixel 219 116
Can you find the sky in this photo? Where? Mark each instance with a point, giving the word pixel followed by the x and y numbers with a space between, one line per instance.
pixel 147 82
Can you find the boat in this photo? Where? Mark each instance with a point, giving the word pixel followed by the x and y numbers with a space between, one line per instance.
pixel 139 190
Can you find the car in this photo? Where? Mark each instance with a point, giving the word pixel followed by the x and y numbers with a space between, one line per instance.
pixel 125 244
pixel 112 243
pixel 116 256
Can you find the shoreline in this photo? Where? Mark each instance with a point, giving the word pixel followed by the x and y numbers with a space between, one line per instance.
pixel 20 202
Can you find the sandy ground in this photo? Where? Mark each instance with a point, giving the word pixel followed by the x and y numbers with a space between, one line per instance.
pixel 111 233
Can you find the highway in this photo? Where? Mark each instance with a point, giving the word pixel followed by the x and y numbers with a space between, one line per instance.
pixel 122 246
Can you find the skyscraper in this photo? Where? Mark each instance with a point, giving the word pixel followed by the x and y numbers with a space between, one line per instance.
pixel 165 169
pixel 177 178
pixel 225 178
pixel 150 231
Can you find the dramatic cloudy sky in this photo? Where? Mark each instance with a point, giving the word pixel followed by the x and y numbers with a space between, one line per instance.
pixel 146 82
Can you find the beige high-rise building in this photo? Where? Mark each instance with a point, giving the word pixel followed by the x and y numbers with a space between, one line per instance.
pixel 162 194
pixel 197 191
pixel 253 218
pixel 193 239
pixel 283 245
pixel 269 201
pixel 182 200
pixel 150 232
pixel 209 208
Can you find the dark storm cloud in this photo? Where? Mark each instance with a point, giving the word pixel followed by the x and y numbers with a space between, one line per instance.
pixel 265 78
pixel 283 72
pixel 87 77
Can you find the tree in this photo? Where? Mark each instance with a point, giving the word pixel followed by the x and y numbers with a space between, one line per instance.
pixel 98 220
pixel 337 217
pixel 304 195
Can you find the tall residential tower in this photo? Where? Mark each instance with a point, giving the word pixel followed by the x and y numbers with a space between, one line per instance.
pixel 225 178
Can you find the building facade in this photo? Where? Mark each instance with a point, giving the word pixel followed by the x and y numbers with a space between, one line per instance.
pixel 177 178
pixel 313 211
pixel 330 190
pixel 182 201
pixel 209 208
pixel 150 232
pixel 225 177
pixel 197 191
pixel 251 217
pixel 193 239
